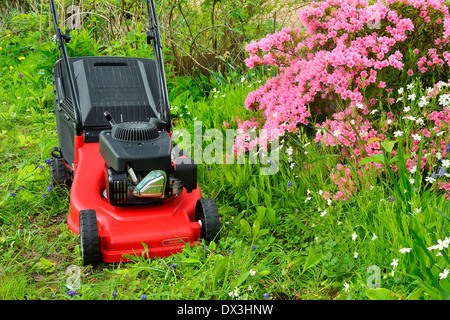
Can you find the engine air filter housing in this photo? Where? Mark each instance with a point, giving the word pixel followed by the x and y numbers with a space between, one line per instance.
pixel 134 131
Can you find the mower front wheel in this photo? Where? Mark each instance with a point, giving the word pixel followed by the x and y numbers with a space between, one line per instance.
pixel 207 214
pixel 89 238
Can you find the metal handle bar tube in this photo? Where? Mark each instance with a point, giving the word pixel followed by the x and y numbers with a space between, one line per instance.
pixel 157 50
pixel 65 59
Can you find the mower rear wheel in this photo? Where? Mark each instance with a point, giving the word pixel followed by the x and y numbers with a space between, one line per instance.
pixel 207 214
pixel 60 175
pixel 89 238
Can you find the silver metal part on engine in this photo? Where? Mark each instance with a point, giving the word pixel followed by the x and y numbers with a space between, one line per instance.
pixel 176 185
pixel 153 185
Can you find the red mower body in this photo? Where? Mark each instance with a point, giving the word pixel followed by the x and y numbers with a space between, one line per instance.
pixel 132 190
pixel 165 227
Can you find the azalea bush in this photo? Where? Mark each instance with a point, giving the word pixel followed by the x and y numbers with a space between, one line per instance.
pixel 363 91
pixel 361 73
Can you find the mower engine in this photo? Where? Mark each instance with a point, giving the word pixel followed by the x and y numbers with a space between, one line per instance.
pixel 140 164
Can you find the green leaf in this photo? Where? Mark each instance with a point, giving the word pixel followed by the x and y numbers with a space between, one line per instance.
pixel 380 294
pixel 221 266
pixel 246 226
pixel 388 145
pixel 312 260
pixel 191 260
pixel 264 273
pixel 375 158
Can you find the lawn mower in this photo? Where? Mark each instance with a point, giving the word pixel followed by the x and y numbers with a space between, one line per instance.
pixel 132 190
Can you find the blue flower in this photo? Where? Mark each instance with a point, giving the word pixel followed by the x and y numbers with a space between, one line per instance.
pixel 49 188
pixel 320 144
pixel 114 294
pixel 71 293
pixel 448 147
pixel 253 247
pixel 12 194
pixel 441 171
pixel 392 199
pixel 173 266
pixel 289 184
pixel 48 161
pixel 266 296
pixel 44 195
pixel 143 297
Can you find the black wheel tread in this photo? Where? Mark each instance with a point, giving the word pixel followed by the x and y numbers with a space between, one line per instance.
pixel 90 242
pixel 208 214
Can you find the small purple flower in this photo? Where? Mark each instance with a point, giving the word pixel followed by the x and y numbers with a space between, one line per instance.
pixel 143 297
pixel 20 76
pixel 266 296
pixel 205 247
pixel 41 166
pixel 289 184
pixel 71 293
pixel 442 171
pixel 253 247
pixel 448 147
pixel 48 161
pixel 172 266
pixel 12 194
pixel 320 144
pixel 391 199
pixel 44 195
pixel 114 294
pixel 49 188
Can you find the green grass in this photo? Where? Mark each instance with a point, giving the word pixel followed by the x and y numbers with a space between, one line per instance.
pixel 275 237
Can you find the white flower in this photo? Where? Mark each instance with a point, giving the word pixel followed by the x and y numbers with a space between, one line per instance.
pixel 430 179
pixel 406 109
pixel 417 137
pixel 329 202
pixel 234 293
pixel 412 96
pixel 374 111
pixel 394 263
pixel 417 210
pixel 411 181
pixel 252 272
pixel 346 286
pixel 323 213
pixel 307 199
pixel 354 236
pixel 374 237
pixel 404 250
pixel 355 255
pixel 398 133
pixel 413 169
pixel 446 163
pixel 444 274
pixel 400 91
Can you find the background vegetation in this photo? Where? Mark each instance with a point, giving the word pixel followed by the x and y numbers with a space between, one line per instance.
pixel 279 240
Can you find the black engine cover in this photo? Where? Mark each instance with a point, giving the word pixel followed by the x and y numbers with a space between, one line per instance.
pixel 144 155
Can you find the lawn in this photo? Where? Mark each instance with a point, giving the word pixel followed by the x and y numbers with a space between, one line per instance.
pixel 349 214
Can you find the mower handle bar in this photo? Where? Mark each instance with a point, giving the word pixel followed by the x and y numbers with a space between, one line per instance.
pixel 68 70
pixel 153 35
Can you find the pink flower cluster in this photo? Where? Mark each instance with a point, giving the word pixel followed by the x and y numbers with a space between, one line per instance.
pixel 350 49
